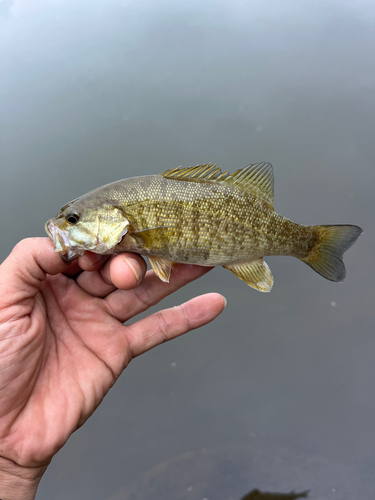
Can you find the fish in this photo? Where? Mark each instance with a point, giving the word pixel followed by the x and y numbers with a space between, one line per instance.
pixel 258 495
pixel 198 215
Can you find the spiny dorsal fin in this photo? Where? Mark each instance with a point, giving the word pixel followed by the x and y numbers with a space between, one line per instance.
pixel 198 173
pixel 256 178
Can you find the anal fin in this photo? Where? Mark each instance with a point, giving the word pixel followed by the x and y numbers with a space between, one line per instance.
pixel 255 273
pixel 162 267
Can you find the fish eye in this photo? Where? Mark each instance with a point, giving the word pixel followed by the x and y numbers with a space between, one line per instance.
pixel 72 217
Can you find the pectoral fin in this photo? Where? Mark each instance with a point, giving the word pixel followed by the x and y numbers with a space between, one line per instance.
pixel 162 267
pixel 155 237
pixel 256 274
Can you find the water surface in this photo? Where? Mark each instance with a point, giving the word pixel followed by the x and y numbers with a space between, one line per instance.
pixel 94 92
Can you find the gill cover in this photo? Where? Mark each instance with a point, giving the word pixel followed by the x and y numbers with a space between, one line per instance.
pixel 98 231
pixel 109 227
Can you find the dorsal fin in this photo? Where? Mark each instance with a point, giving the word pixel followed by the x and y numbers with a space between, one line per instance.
pixel 256 178
pixel 199 172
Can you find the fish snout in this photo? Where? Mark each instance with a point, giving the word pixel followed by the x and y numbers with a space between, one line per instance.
pixel 56 236
pixel 61 242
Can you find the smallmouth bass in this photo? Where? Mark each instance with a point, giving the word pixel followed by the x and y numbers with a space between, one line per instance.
pixel 198 215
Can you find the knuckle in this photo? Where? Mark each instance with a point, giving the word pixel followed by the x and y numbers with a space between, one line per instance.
pixel 163 326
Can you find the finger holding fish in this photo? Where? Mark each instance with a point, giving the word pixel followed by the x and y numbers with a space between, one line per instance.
pixel 124 271
pixel 119 276
pixel 126 304
pixel 90 261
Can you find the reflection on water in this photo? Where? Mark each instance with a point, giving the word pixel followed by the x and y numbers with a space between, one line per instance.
pixel 258 495
pixel 266 471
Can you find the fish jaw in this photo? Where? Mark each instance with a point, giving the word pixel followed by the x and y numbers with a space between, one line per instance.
pixel 61 242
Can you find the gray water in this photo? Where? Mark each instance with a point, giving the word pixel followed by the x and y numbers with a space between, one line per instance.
pixel 278 392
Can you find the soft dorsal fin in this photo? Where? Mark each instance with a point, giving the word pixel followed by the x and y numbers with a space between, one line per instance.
pixel 256 178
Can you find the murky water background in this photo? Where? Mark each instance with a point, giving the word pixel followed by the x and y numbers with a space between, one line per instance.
pixel 277 393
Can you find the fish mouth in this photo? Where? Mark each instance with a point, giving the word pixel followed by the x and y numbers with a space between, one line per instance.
pixel 61 242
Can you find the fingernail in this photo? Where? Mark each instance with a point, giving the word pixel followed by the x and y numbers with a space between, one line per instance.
pixel 225 301
pixel 136 268
pixel 92 258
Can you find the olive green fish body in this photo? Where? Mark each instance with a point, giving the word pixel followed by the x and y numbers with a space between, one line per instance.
pixel 198 215
pixel 205 224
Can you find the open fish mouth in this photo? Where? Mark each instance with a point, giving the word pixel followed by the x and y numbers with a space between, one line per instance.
pixel 61 242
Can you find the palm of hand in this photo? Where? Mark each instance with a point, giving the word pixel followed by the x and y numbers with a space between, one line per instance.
pixel 62 348
pixel 72 361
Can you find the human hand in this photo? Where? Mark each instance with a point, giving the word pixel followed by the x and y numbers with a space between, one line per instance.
pixel 63 345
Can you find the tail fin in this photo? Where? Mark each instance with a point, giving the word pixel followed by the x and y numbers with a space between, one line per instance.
pixel 326 257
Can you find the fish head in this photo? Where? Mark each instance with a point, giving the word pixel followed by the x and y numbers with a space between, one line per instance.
pixel 81 225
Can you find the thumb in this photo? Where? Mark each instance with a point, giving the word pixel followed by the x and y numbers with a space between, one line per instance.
pixel 24 270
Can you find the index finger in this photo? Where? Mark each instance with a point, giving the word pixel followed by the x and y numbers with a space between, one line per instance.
pixel 170 323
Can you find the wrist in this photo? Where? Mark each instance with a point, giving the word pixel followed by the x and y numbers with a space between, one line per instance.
pixel 17 482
